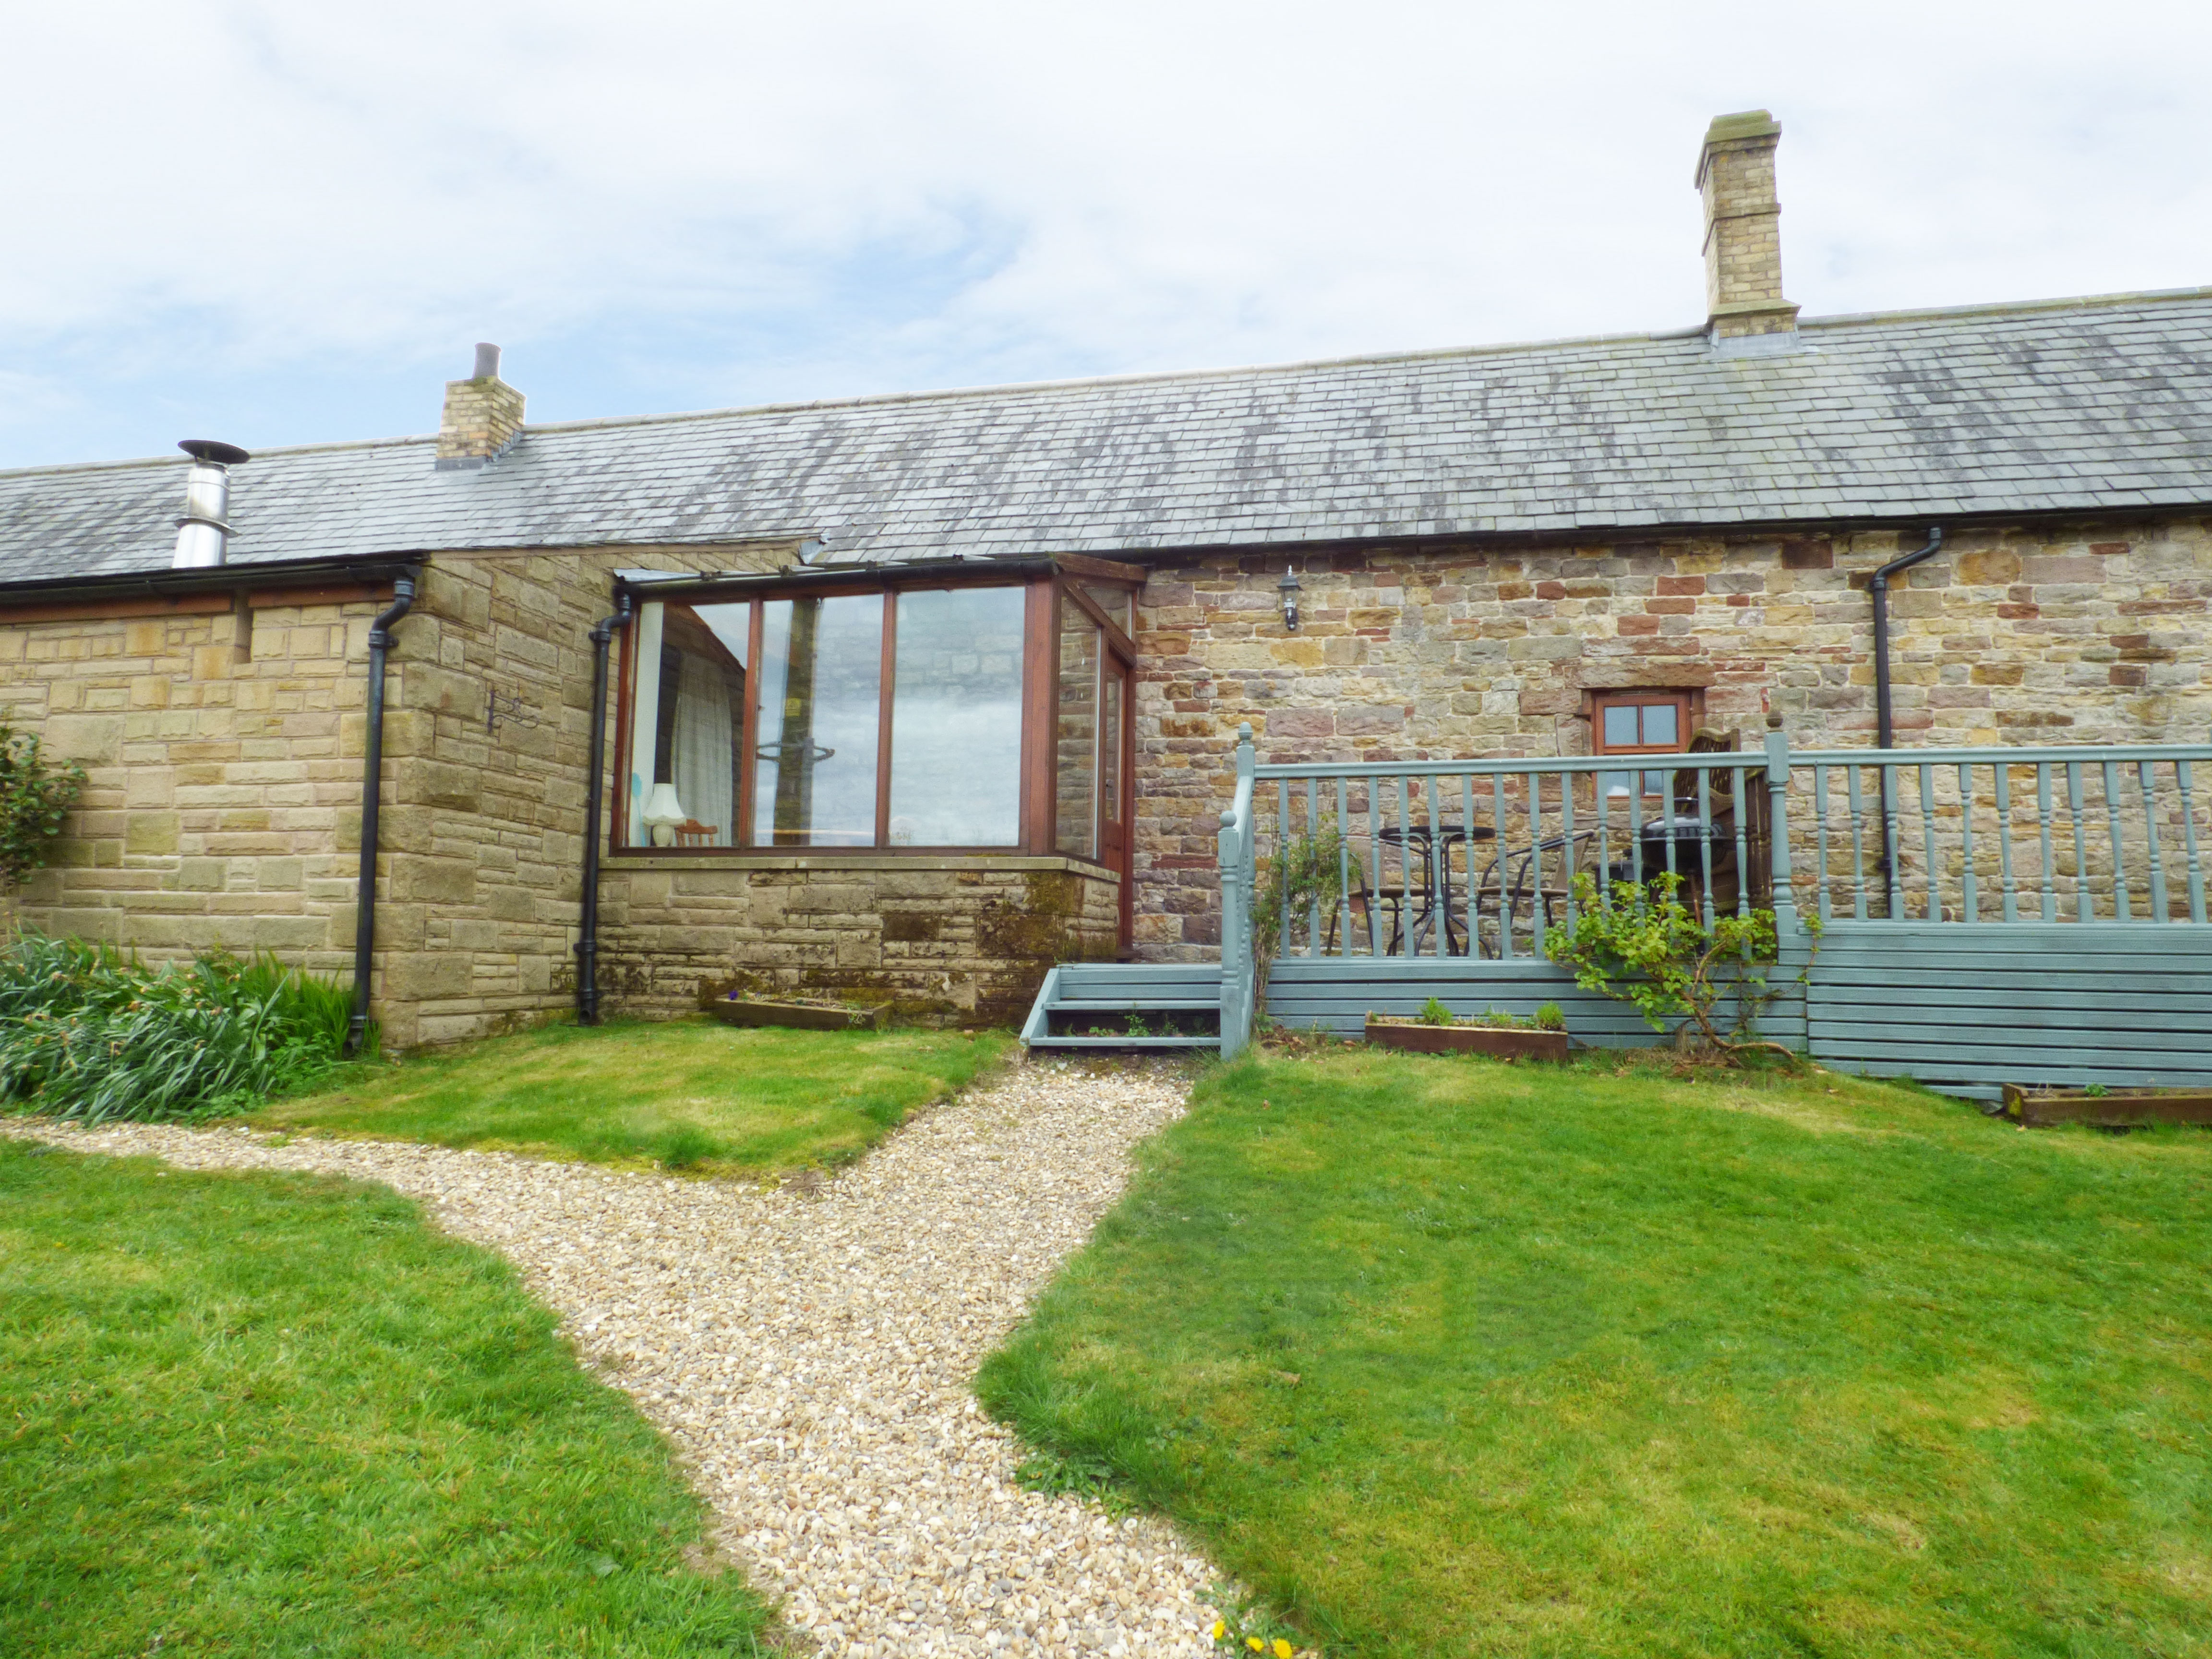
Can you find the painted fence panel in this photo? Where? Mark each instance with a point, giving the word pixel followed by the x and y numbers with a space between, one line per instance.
pixel 1966 1008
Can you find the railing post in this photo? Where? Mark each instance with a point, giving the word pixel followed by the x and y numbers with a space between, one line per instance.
pixel 1792 953
pixel 1234 857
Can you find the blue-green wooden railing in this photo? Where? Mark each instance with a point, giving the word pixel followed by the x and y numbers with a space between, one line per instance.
pixel 1912 838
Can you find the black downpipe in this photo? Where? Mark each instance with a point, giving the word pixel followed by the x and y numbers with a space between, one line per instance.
pixel 372 794
pixel 1878 585
pixel 587 931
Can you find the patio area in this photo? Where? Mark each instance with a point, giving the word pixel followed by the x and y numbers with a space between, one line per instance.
pixel 1966 917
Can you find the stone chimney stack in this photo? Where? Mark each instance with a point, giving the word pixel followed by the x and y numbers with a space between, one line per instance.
pixel 1743 233
pixel 482 417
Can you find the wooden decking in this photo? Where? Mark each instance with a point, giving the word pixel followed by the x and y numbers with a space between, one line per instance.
pixel 1966 918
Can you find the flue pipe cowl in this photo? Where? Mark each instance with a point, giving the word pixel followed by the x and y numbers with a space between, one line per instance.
pixel 203 532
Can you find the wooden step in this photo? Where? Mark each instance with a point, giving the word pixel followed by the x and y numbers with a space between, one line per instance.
pixel 1207 1044
pixel 1127 1005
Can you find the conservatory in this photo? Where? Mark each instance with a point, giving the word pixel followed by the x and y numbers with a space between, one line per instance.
pixel 935 709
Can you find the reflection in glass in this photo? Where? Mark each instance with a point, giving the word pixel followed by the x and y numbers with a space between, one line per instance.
pixel 1637 725
pixel 957 719
pixel 821 669
pixel 1110 752
pixel 1119 603
pixel 687 711
pixel 1075 734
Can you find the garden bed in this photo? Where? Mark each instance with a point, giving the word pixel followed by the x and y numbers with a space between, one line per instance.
pixel 1437 1031
pixel 799 1013
pixel 2111 1109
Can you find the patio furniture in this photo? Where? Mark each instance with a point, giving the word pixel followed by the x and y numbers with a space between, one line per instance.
pixel 1515 878
pixel 1434 845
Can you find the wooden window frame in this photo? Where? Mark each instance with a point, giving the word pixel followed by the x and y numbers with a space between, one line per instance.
pixel 1043 596
pixel 1687 703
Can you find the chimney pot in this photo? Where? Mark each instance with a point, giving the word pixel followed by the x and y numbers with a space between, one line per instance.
pixel 482 417
pixel 1743 237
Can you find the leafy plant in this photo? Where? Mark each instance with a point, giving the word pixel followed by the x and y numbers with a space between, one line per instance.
pixel 1433 1013
pixel 1306 872
pixel 1135 1021
pixel 2095 1091
pixel 1551 1017
pixel 1088 1478
pixel 1647 948
pixel 35 798
pixel 87 1032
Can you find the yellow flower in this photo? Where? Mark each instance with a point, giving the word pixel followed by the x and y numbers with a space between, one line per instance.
pixel 1255 1644
pixel 1220 1630
pixel 1283 1649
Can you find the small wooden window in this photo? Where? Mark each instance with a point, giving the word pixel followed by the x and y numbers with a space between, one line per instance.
pixel 1640 723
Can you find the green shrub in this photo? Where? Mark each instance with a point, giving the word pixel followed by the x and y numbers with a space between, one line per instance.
pixel 87 1032
pixel 1551 1017
pixel 34 800
pixel 1641 945
pixel 1433 1013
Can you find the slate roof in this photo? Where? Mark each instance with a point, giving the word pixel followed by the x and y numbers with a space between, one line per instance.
pixel 2084 405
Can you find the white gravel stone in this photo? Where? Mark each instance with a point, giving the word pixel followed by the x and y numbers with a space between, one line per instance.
pixel 809 1350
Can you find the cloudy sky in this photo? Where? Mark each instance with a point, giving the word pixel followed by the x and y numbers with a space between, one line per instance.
pixel 280 224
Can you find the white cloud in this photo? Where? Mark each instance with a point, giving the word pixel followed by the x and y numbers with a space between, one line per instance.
pixel 285 209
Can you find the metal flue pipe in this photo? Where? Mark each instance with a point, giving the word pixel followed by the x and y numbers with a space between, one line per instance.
pixel 203 532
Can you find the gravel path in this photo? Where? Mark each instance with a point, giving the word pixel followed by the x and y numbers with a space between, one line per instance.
pixel 809 1353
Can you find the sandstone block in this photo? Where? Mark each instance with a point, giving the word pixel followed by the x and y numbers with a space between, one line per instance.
pixel 443 881
pixel 151 832
pixel 419 977
pixel 90 740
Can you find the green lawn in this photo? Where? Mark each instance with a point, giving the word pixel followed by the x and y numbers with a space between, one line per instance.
pixel 270 1415
pixel 1451 1358
pixel 714 1099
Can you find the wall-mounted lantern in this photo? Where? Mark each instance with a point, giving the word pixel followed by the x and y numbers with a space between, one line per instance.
pixel 1289 588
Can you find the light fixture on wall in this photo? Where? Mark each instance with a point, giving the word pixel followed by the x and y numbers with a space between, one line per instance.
pixel 1289 588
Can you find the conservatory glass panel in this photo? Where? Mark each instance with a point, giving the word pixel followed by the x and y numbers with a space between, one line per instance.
pixel 687 722
pixel 1117 603
pixel 957 719
pixel 1075 735
pixel 821 671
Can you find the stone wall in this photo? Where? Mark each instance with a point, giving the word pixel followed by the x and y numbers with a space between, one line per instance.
pixel 220 785
pixel 2044 635
pixel 961 939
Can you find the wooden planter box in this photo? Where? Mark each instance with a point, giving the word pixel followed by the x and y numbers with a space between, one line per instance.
pixel 2121 1109
pixel 1502 1042
pixel 806 1016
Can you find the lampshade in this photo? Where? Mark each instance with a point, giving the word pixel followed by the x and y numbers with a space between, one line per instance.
pixel 661 805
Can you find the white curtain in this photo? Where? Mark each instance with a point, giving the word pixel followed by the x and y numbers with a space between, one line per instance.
pixel 704 734
pixel 645 719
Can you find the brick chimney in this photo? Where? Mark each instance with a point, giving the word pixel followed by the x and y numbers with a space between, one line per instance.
pixel 1743 233
pixel 482 417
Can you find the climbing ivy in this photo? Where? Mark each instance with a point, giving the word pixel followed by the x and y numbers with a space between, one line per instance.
pixel 35 797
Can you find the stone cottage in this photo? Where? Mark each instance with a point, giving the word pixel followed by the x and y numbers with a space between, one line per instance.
pixel 913 696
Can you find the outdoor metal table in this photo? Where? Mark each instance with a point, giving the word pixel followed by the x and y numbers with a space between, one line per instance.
pixel 1435 843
